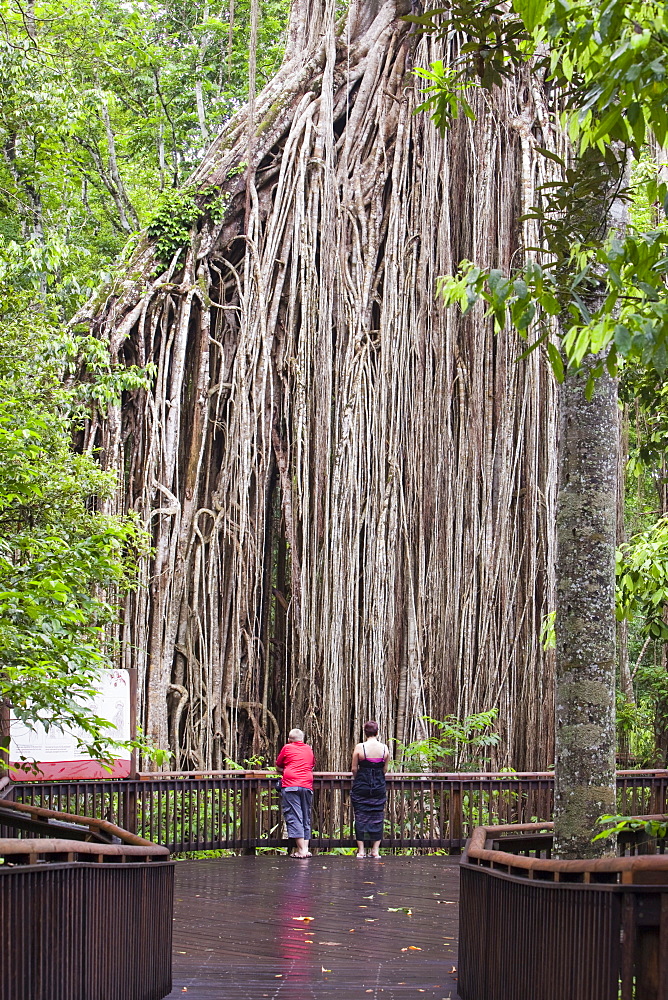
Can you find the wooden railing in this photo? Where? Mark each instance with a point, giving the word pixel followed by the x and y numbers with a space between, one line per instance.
pixel 532 926
pixel 82 914
pixel 241 810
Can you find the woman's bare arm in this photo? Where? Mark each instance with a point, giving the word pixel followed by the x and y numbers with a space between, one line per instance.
pixel 356 757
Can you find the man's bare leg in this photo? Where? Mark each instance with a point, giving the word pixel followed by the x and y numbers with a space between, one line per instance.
pixel 301 848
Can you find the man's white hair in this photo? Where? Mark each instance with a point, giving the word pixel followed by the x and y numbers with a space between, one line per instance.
pixel 296 734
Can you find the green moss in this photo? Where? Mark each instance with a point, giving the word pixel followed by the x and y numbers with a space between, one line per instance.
pixel 271 116
pixel 581 737
pixel 585 693
pixel 206 298
pixel 172 221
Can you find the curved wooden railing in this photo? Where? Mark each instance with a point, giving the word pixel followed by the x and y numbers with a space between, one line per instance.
pixel 534 926
pixel 77 919
pixel 478 851
pixel 85 836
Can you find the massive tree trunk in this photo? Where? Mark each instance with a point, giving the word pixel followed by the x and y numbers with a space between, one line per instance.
pixel 585 621
pixel 350 492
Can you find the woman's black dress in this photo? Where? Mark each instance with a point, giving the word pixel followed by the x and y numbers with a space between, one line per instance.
pixel 368 797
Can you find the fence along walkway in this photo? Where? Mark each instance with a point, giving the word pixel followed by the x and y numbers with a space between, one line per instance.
pixel 240 931
pixel 241 810
pixel 85 910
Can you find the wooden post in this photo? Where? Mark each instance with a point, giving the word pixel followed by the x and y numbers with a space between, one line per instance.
pixel 658 795
pixel 129 799
pixel 132 674
pixel 456 819
pixel 249 832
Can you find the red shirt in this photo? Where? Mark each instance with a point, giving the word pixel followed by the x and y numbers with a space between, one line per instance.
pixel 298 761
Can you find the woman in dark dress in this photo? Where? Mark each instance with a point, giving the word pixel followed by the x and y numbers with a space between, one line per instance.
pixel 370 762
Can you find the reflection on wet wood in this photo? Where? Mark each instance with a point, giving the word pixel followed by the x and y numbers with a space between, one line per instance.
pixel 253 928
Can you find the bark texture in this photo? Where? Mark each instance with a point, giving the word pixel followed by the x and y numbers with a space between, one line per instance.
pixel 350 492
pixel 585 620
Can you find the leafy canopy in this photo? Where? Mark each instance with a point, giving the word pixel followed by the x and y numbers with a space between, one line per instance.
pixel 62 561
pixel 609 60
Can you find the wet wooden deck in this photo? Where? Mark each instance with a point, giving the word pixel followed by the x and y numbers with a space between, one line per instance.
pixel 332 926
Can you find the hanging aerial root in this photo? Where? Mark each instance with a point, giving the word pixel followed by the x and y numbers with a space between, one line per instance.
pixel 349 491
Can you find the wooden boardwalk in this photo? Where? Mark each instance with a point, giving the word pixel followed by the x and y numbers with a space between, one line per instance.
pixel 271 927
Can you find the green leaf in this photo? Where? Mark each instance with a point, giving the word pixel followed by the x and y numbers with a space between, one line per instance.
pixel 550 155
pixel 556 361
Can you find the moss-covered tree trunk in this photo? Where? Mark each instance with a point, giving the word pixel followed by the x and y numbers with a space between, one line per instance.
pixel 585 621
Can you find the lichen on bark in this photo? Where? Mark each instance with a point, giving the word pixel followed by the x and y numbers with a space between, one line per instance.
pixel 585 620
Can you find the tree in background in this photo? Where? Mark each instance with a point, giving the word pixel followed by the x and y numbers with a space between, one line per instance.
pixel 642 569
pixel 348 490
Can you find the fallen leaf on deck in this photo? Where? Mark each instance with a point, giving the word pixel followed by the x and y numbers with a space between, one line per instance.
pixel 453 969
pixel 324 969
pixel 367 897
pixel 413 947
pixel 305 919
pixel 334 944
pixel 370 920
pixel 400 909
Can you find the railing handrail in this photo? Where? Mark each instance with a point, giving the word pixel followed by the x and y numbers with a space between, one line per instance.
pixel 32 847
pixel 441 776
pixel 191 811
pixel 476 849
pixel 91 822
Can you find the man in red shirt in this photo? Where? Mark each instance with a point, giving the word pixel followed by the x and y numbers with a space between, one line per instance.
pixel 295 763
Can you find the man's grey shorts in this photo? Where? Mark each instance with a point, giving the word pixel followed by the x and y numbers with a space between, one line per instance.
pixel 296 802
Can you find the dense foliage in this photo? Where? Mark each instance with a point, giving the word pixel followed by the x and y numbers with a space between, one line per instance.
pixel 105 108
pixel 61 560
pixel 104 105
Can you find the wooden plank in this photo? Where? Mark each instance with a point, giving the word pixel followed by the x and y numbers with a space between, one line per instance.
pixel 237 936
